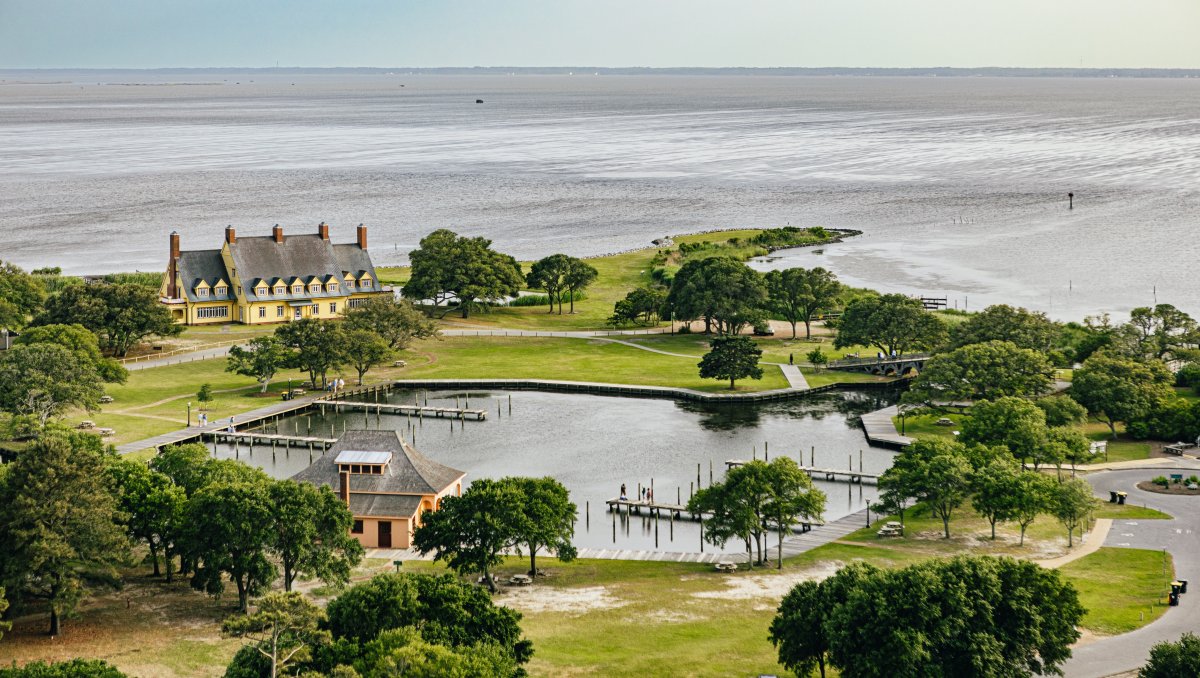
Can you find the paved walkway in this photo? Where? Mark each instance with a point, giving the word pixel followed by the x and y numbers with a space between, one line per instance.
pixel 1089 544
pixel 881 430
pixel 1180 537
pixel 824 534
pixel 795 377
pixel 205 354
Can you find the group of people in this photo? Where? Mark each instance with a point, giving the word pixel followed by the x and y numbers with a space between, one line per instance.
pixel 645 494
pixel 336 385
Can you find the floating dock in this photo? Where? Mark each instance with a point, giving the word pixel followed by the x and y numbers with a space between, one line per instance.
pixel 830 474
pixel 410 410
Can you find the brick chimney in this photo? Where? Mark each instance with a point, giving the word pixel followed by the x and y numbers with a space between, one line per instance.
pixel 323 230
pixel 344 486
pixel 277 233
pixel 230 235
pixel 362 237
pixel 173 267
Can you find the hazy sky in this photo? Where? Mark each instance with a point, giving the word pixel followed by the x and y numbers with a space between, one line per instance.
pixel 198 33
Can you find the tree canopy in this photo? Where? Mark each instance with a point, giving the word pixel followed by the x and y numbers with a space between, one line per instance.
pixel 798 294
pixel 893 323
pixel 470 531
pixel 60 525
pixel 1115 389
pixel 121 314
pixel 731 358
pixel 364 349
pixel 283 629
pixel 448 268
pixel 21 296
pixel 986 371
pixel 642 305
pixel 398 321
pixel 547 520
pixel 45 380
pixel 1026 329
pixel 227 534
pixel 317 346
pixel 1015 423
pixel 932 470
pixel 262 358
pixel 722 291
pixel 310 533
pixel 1177 659
pixel 80 341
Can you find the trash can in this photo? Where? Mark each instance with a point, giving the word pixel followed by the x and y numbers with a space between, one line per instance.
pixel 1112 496
pixel 1173 599
pixel 1183 586
pixel 1176 588
pixel 1121 497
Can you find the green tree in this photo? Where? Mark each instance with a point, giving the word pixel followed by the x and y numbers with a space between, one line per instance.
pixel 449 268
pixel 731 358
pixel 404 652
pixel 4 626
pixel 1015 423
pixel 817 358
pixel 469 532
pixel 120 314
pixel 993 490
pixel 72 668
pixel 444 609
pixel 1180 659
pixel 798 629
pixel 791 498
pixel 721 290
pixel 283 629
pixel 799 294
pixel 548 520
pixel 893 323
pixel 205 395
pixel 21 296
pixel 1072 504
pixel 227 532
pixel 1068 444
pixel 980 616
pixel 262 358
pixel 642 305
pixel 152 505
pixel 736 508
pixel 80 341
pixel 1026 329
pixel 1062 410
pixel 580 275
pixel 1163 333
pixel 59 525
pixel 398 321
pixel 188 466
pixel 1118 390
pixel 939 473
pixel 45 380
pixel 1032 495
pixel 365 349
pixel 317 346
pixel 548 274
pixel 982 372
pixel 311 533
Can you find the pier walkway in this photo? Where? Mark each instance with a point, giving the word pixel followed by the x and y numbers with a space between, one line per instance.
pixel 830 474
pixel 881 430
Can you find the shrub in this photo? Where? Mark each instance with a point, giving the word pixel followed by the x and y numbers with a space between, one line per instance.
pixel 1161 480
pixel 1193 479
pixel 1188 375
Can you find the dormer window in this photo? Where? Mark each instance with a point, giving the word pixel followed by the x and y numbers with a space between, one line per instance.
pixel 314 287
pixel 362 463
pixel 365 283
pixel 331 287
pixel 297 289
pixel 280 290
pixel 261 291
pixel 202 291
pixel 349 284
pixel 220 290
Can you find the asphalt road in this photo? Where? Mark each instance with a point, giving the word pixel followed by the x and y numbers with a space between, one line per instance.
pixel 1180 537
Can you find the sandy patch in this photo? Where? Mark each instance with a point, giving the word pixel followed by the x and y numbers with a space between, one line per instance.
pixel 552 599
pixel 773 586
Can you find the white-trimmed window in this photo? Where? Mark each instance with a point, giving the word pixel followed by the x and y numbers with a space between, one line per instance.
pixel 279 311
pixel 333 307
pixel 261 291
pixel 220 290
pixel 331 287
pixel 355 303
pixel 212 312
pixel 262 311
pixel 280 289
pixel 365 284
pixel 202 291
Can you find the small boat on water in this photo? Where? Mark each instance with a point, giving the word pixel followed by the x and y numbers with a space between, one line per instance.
pixel 479 101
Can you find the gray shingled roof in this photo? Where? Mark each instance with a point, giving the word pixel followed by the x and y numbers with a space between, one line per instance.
pixel 197 265
pixel 409 471
pixel 307 256
pixel 390 505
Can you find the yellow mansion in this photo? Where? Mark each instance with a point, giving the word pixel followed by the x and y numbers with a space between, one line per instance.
pixel 269 279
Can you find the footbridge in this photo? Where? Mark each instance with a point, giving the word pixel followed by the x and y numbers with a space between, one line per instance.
pixel 887 366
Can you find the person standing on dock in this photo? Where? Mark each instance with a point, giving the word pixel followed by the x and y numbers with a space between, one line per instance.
pixel 623 495
pixel 791 359
pixel 231 426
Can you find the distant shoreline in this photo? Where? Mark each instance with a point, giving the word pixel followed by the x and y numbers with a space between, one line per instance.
pixel 581 71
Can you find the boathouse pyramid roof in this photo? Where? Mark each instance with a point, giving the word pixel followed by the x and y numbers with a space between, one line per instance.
pixel 407 471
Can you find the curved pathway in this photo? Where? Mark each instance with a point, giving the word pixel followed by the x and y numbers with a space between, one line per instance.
pixel 1180 536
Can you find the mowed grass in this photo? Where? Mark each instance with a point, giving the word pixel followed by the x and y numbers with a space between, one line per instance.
pixel 566 359
pixel 1122 589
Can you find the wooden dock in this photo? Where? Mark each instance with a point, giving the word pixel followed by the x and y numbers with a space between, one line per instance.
pixel 410 410
pixel 881 430
pixel 830 474
pixel 272 439
pixel 679 511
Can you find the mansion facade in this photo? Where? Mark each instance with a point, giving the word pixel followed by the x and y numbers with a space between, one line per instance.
pixel 269 279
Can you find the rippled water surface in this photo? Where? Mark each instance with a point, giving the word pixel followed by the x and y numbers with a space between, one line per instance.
pixel 958 183
pixel 593 444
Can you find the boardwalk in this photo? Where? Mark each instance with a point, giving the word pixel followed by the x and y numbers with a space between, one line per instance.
pixel 826 534
pixel 830 474
pixel 881 431
pixel 411 410
pixel 795 377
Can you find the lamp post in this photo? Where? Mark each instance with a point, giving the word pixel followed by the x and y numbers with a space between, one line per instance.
pixel 189 413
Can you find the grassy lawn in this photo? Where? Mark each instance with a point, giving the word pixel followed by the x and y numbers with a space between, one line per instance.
pixel 569 359
pixel 1122 589
pixel 1129 512
pixel 926 426
pixel 1121 449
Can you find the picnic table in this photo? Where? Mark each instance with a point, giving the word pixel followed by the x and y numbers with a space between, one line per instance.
pixel 891 529
pixel 726 567
pixel 520 580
